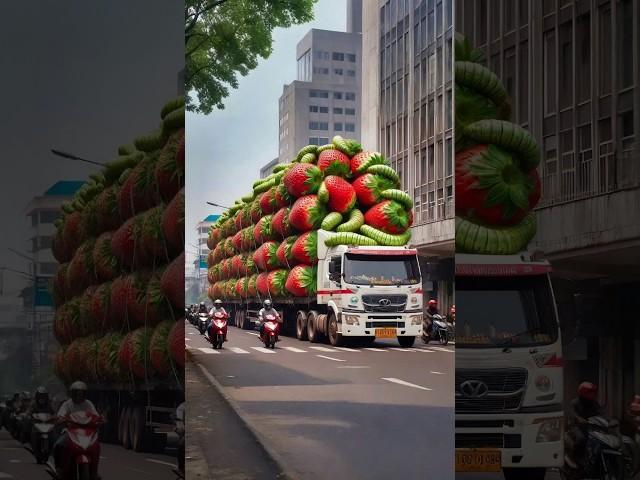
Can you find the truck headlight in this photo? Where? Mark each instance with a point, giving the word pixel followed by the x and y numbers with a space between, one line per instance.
pixel 550 430
pixel 416 320
pixel 543 383
pixel 353 300
pixel 351 319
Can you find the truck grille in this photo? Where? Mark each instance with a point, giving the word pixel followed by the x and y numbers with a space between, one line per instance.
pixel 384 324
pixel 376 303
pixel 488 440
pixel 504 389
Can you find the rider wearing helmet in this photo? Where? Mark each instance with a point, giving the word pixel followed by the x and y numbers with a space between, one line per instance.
pixel 41 402
pixel 267 309
pixel 217 308
pixel 432 309
pixel 582 408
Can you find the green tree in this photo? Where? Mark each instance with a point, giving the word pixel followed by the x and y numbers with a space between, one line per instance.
pixel 224 38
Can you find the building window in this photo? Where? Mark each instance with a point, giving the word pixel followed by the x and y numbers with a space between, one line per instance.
pixel 624 29
pixel 338 111
pixel 351 57
pixel 349 111
pixel 304 67
pixel 350 96
pixel 338 56
pixel 337 126
pixel 313 141
pixel 320 55
pixel 318 94
pixel 337 71
pixel 324 109
pixel 313 108
pixel 321 70
pixel 351 73
pixel 318 126
pixel 323 140
pixel 337 95
pixel 549 53
pixel 350 127
pixel 49 216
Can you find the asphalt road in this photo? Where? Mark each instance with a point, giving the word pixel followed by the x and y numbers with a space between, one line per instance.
pixel 115 463
pixel 551 475
pixel 359 413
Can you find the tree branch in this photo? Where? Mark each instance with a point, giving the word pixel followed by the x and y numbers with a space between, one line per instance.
pixel 196 15
pixel 191 76
pixel 188 54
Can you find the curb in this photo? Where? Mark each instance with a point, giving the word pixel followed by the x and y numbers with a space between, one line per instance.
pixel 285 471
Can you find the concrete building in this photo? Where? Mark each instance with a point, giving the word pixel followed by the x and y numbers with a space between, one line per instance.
pixel 325 99
pixel 267 169
pixel 42 211
pixel 572 69
pixel 406 112
pixel 200 263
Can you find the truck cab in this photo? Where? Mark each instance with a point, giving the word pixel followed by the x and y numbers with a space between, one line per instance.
pixel 508 381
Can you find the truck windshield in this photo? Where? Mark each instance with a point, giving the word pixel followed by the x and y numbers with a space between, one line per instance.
pixel 381 270
pixel 505 312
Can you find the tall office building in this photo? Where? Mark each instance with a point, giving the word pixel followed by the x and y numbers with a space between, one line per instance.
pixel 325 99
pixel 406 114
pixel 200 263
pixel 572 70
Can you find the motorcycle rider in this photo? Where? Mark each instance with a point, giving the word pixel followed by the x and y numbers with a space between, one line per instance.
pixel 217 308
pixel 267 309
pixel 582 408
pixel 432 309
pixel 41 403
pixel 452 315
pixel 76 404
pixel 202 308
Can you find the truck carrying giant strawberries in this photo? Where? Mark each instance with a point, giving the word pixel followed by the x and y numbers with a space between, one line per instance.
pixel 325 238
pixel 119 289
pixel 509 393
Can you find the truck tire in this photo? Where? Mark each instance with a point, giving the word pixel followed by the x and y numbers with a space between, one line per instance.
pixel 524 473
pixel 246 324
pixel 236 319
pixel 301 325
pixel 125 432
pixel 137 427
pixel 406 342
pixel 335 338
pixel 312 327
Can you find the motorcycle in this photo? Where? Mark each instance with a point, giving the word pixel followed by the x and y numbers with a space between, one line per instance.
pixel 270 332
pixel 203 322
pixel 42 436
pixel 440 330
pixel 217 332
pixel 81 452
pixel 604 453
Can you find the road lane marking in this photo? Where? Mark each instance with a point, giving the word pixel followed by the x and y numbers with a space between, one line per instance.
pixel 422 350
pixel 440 349
pixel 354 366
pixel 329 358
pixel 346 349
pixel 186 339
pixel 294 349
pixel 263 350
pixel 437 373
pixel 208 350
pixel 152 460
pixel 375 349
pixel 400 349
pixel 253 333
pixel 238 350
pixel 323 349
pixel 406 384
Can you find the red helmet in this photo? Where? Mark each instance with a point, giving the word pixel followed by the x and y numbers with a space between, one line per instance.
pixel 635 405
pixel 453 309
pixel 433 302
pixel 588 391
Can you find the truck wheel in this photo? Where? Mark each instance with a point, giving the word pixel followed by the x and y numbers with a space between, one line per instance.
pixel 138 429
pixel 335 338
pixel 406 342
pixel 301 325
pixel 312 332
pixel 125 433
pixel 236 319
pixel 524 473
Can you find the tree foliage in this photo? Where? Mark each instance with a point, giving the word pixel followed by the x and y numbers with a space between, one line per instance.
pixel 224 38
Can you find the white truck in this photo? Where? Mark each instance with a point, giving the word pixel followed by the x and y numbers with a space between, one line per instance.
pixel 363 293
pixel 508 381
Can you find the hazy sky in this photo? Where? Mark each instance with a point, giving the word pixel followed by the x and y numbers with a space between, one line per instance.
pixel 79 76
pixel 226 149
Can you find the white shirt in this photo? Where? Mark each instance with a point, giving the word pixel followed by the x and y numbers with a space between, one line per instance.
pixel 69 407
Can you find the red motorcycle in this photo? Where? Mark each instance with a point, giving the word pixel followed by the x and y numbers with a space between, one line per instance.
pixel 270 331
pixel 81 452
pixel 218 329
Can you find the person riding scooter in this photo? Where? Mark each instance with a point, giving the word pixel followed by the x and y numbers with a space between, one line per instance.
pixel 582 408
pixel 432 309
pixel 267 309
pixel 41 403
pixel 217 308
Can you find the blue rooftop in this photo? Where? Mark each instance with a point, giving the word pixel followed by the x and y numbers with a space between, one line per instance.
pixel 211 218
pixel 65 188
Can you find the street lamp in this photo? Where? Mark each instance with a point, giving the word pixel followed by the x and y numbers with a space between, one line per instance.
pixel 220 206
pixel 71 156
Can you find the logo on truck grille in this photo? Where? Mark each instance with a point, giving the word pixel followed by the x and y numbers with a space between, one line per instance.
pixel 385 302
pixel 474 388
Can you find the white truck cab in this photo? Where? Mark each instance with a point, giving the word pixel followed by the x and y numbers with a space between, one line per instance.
pixel 508 381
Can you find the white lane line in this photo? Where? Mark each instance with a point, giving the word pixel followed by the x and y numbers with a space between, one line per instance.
pixel 153 460
pixel 329 358
pixel 400 349
pixel 375 349
pixel 354 366
pixel 440 349
pixel 294 349
pixel 252 333
pixel 238 350
pixel 323 349
pixel 346 349
pixel 437 373
pixel 186 339
pixel 406 384
pixel 263 350
pixel 421 350
pixel 192 333
pixel 208 350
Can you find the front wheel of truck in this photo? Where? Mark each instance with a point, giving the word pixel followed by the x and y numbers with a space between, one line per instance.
pixel 524 473
pixel 301 325
pixel 335 338
pixel 406 342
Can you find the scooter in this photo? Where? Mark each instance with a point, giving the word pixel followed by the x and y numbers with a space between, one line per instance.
pixel 81 451
pixel 203 322
pixel 217 333
pixel 440 330
pixel 42 436
pixel 270 332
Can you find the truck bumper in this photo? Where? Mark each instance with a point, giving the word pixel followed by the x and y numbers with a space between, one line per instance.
pixel 520 440
pixel 366 324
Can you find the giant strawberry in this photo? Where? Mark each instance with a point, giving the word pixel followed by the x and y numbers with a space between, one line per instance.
pixel 388 216
pixel 169 178
pixel 173 224
pixel 265 256
pixel 262 284
pixel 307 213
pixel 277 280
pixel 252 289
pixel 301 281
pixel 342 196
pixel 172 282
pixel 282 196
pixel 268 202
pixel 369 187
pixel 491 188
pixel 280 223
pixel 284 253
pixel 176 343
pixel 263 231
pixel 305 248
pixel 334 162
pixel 302 179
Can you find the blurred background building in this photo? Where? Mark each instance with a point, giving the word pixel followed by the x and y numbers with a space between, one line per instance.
pixel 572 69
pixel 198 284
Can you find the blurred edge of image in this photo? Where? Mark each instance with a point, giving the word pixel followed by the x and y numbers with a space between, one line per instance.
pixel 92 263
pixel 540 329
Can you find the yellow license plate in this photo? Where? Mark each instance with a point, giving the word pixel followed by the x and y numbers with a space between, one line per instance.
pixel 385 333
pixel 471 460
